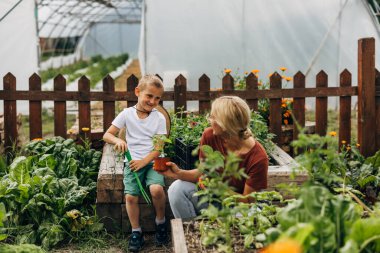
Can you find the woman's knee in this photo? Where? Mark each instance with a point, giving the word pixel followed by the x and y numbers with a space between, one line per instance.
pixel 178 190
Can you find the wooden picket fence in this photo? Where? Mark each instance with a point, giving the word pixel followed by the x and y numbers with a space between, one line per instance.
pixel 367 91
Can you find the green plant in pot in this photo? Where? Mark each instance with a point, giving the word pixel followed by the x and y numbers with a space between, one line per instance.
pixel 159 141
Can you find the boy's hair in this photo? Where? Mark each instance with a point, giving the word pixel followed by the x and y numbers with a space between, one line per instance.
pixel 150 80
pixel 233 115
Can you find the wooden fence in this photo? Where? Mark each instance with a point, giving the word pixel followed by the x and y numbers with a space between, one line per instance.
pixel 367 91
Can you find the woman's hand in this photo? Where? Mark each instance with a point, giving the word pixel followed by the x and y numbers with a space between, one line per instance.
pixel 120 146
pixel 172 172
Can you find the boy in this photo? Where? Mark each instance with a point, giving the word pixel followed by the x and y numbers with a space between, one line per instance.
pixel 142 122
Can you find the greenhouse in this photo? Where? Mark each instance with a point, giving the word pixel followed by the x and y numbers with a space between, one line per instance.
pixel 190 126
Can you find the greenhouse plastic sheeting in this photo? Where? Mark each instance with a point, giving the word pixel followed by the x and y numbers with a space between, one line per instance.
pixel 19 41
pixel 195 37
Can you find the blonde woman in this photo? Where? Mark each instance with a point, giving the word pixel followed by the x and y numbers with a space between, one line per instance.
pixel 229 132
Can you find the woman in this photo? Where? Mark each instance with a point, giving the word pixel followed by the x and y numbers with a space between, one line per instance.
pixel 229 132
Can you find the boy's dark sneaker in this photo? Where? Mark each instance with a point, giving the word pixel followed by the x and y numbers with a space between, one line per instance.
pixel 136 242
pixel 162 236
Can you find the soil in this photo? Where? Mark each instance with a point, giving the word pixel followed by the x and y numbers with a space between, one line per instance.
pixel 194 245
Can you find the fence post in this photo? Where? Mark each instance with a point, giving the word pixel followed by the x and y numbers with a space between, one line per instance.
pixel 108 106
pixel 321 106
pixel 10 114
pixel 60 125
pixel 228 82
pixel 298 105
pixel 35 109
pixel 180 94
pixel 84 109
pixel 132 83
pixel 366 96
pixel 204 85
pixel 377 131
pixel 345 110
pixel 251 87
pixel 275 117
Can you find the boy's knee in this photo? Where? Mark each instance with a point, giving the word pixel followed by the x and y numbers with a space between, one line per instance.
pixel 130 199
pixel 157 191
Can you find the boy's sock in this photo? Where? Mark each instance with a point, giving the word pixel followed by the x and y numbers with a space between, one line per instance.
pixel 137 230
pixel 159 222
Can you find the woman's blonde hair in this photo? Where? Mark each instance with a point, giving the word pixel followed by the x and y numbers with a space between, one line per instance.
pixel 150 80
pixel 233 115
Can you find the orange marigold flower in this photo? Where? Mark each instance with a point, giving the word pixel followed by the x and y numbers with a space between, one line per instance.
pixel 270 74
pixel 286 115
pixel 283 68
pixel 255 71
pixel 288 79
pixel 286 121
pixel 227 71
pixel 332 133
pixel 283 77
pixel 283 105
pixel 37 139
pixel 85 129
pixel 357 145
pixel 283 246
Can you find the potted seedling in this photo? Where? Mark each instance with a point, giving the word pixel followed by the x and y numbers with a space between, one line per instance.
pixel 159 141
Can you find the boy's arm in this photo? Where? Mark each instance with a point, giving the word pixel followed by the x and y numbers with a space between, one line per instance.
pixel 110 137
pixel 135 165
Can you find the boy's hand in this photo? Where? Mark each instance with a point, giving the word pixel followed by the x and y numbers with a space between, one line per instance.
pixel 136 165
pixel 172 171
pixel 120 146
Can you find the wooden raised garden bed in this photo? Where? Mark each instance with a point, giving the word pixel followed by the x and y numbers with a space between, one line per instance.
pixel 110 203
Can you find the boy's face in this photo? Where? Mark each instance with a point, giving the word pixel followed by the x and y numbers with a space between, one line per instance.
pixel 149 97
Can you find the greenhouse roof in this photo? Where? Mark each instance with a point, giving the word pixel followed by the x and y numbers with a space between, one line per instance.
pixel 69 18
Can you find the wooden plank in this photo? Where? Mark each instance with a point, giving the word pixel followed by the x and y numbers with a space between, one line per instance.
pixel 180 100
pixel 345 110
pixel 228 83
pixel 377 130
pixel 298 105
pixel 110 216
pixel 321 106
pixel 84 109
pixel 147 217
pixel 60 124
pixel 110 188
pixel 366 96
pixel 108 106
pixel 10 113
pixel 252 87
pixel 132 83
pixel 204 85
pixel 35 109
pixel 190 95
pixel 275 119
pixel 178 236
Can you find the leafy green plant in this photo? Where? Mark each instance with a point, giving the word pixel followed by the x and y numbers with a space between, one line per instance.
pixel 225 212
pixel 159 141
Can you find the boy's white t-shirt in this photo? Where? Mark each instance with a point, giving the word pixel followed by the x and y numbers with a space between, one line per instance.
pixel 140 132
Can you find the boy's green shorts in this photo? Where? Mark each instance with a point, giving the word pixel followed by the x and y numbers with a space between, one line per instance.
pixel 147 176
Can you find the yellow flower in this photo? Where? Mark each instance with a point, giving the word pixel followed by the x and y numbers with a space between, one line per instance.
pixel 348 148
pixel 85 129
pixel 357 145
pixel 332 133
pixel 74 214
pixel 283 246
pixel 288 79
pixel 70 131
pixel 283 69
pixel 283 77
pixel 245 73
pixel 344 142
pixel 255 71
pixel 259 83
pixel 37 139
pixel 227 71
